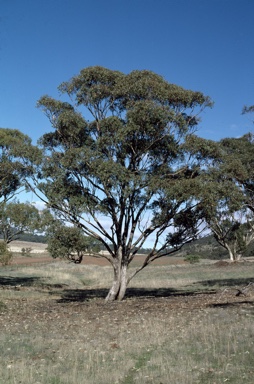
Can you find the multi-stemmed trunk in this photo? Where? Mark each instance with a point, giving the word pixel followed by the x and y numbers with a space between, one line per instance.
pixel 119 286
pixel 233 255
pixel 120 281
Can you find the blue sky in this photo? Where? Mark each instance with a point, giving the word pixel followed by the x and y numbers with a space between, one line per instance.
pixel 204 45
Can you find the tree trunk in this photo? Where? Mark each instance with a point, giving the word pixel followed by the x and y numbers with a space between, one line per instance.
pixel 238 256
pixel 119 286
pixel 233 255
pixel 123 283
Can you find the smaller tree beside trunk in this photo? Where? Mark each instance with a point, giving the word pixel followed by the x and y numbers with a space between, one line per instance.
pixel 70 243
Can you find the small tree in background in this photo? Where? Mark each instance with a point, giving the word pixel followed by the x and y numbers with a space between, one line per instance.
pixel 228 195
pixel 5 254
pixel 70 243
pixel 192 258
pixel 16 158
pixel 17 218
pixel 26 251
pixel 232 233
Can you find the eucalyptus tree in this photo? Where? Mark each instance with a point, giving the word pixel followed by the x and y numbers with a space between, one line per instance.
pixel 228 196
pixel 16 157
pixel 13 162
pixel 117 165
pixel 230 222
pixel 237 166
pixel 17 218
pixel 70 243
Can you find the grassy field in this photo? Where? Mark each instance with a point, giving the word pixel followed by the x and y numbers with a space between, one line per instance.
pixel 179 324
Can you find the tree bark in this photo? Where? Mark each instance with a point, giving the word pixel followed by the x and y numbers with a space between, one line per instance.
pixel 123 283
pixel 233 255
pixel 119 286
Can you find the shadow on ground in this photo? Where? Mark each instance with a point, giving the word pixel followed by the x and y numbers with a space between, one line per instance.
pixel 15 281
pixel 37 282
pixel 248 303
pixel 209 287
pixel 78 295
pixel 226 282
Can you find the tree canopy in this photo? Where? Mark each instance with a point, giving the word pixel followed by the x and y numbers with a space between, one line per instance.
pixel 117 164
pixel 248 109
pixel 70 243
pixel 13 152
pixel 228 194
pixel 124 167
pixel 17 159
pixel 17 218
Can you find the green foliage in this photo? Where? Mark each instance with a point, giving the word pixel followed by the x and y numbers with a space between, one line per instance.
pixel 227 195
pixel 248 109
pixel 16 157
pixel 113 165
pixel 141 361
pixel 70 243
pixel 26 251
pixel 5 254
pixel 129 167
pixel 3 307
pixel 17 218
pixel 205 247
pixel 238 166
pixel 192 258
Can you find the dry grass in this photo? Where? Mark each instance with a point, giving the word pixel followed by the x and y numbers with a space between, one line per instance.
pixel 17 245
pixel 185 328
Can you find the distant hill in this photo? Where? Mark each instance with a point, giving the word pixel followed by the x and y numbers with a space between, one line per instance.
pixel 31 238
pixel 208 248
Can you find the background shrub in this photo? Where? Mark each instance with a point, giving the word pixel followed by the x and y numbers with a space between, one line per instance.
pixel 5 254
